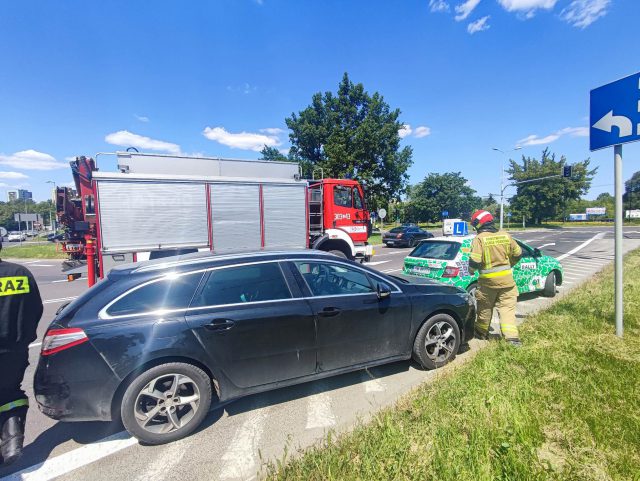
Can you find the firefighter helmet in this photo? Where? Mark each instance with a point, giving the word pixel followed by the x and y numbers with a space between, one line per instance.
pixel 481 217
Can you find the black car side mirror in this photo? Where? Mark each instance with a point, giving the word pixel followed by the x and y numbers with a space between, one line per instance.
pixel 537 252
pixel 383 291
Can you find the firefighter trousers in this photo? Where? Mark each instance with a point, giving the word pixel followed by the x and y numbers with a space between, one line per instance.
pixel 504 300
pixel 13 400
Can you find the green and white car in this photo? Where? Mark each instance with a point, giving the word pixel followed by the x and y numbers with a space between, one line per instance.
pixel 446 259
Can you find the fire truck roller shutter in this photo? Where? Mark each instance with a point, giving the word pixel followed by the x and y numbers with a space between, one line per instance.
pixel 285 216
pixel 137 216
pixel 235 217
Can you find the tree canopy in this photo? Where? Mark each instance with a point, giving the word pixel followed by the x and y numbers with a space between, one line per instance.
pixel 353 133
pixel 549 198
pixel 441 192
pixel 271 153
pixel 8 209
pixel 631 196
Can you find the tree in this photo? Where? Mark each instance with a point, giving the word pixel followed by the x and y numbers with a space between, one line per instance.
pixel 271 153
pixel 440 192
pixel 353 133
pixel 549 198
pixel 631 196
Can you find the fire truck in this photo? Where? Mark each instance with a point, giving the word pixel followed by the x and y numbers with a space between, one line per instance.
pixel 163 205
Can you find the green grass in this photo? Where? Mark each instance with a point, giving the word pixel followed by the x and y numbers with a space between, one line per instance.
pixel 38 251
pixel 566 406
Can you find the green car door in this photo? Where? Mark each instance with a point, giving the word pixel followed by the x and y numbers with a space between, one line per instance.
pixel 530 273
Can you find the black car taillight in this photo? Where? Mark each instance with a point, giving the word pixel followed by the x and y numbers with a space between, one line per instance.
pixel 56 340
pixel 451 271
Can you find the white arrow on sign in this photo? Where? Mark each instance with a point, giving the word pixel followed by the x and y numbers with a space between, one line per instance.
pixel 609 121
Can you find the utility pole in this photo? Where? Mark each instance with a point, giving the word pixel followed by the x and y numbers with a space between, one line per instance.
pixel 502 186
pixel 51 206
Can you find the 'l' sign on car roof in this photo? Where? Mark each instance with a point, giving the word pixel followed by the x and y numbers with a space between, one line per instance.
pixel 446 259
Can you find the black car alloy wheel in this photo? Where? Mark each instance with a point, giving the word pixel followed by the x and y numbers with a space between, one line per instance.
pixel 437 341
pixel 166 402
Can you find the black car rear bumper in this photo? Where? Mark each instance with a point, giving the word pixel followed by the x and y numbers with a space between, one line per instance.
pixel 69 390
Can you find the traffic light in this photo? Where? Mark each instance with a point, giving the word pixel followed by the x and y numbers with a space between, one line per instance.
pixel 567 171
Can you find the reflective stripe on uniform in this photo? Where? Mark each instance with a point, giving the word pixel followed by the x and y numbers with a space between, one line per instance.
pixel 10 286
pixel 14 404
pixel 496 274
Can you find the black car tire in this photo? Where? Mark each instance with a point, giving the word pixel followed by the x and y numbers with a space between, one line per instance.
pixel 338 253
pixel 428 356
pixel 131 401
pixel 412 242
pixel 550 285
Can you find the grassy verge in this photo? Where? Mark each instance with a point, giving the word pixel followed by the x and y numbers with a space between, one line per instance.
pixel 565 406
pixel 38 251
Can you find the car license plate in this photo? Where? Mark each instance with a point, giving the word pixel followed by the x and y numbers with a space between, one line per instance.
pixel 421 270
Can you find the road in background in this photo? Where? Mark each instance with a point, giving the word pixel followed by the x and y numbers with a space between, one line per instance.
pixel 234 441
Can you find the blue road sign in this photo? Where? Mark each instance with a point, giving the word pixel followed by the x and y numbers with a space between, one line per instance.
pixel 445 213
pixel 615 113
pixel 460 228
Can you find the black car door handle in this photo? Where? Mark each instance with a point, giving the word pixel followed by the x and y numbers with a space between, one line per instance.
pixel 219 325
pixel 329 312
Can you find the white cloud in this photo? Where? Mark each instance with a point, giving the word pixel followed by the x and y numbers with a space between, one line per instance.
pixel 438 6
pixel 570 131
pixel 527 5
pixel 31 160
pixel 582 13
pixel 241 140
pixel 141 118
pixel 405 131
pixel 71 158
pixel 464 9
pixel 272 131
pixel 246 88
pixel 124 138
pixel 422 131
pixel 479 25
pixel 12 175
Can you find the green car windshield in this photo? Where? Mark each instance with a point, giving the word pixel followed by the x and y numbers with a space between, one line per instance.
pixel 441 250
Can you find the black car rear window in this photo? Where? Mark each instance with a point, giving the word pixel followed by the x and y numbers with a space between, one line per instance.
pixel 397 230
pixel 442 250
pixel 165 294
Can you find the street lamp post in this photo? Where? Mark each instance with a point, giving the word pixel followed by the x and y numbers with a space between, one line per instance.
pixel 502 184
pixel 51 207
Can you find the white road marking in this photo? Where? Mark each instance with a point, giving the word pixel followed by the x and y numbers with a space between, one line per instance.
pixel 41 265
pixel 61 280
pixel 600 235
pixel 72 460
pixel 376 263
pixel 168 459
pixel 391 270
pixel 62 299
pixel 371 384
pixel 547 245
pixel 319 411
pixel 239 461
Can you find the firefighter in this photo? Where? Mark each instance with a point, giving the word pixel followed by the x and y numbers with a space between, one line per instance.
pixel 493 254
pixel 20 311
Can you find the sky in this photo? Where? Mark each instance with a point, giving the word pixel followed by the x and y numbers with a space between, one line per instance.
pixel 219 77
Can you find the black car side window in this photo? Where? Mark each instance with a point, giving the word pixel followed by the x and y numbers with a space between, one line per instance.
pixel 165 294
pixel 250 283
pixel 327 279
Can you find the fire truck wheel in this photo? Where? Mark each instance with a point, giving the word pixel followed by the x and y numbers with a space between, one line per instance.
pixel 338 253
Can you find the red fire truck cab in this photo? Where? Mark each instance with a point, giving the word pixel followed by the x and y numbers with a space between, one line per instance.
pixel 161 205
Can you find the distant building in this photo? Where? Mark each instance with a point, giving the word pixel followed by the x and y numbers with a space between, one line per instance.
pixel 19 194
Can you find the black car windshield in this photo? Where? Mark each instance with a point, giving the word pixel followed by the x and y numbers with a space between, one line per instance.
pixel 442 250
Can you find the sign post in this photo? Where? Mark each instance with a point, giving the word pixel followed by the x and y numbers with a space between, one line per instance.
pixel 382 213
pixel 615 120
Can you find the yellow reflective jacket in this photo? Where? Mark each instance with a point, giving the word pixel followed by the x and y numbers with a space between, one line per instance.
pixel 493 254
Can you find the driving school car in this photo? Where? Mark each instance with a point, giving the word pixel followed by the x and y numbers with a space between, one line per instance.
pixel 446 259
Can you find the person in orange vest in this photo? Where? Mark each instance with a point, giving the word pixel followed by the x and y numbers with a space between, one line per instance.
pixel 20 311
pixel 493 254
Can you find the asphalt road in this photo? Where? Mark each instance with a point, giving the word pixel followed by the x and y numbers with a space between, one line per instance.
pixel 235 442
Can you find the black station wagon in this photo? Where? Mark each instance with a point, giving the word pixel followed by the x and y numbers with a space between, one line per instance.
pixel 157 343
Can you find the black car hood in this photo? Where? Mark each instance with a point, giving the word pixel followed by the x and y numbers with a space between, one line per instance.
pixel 424 284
